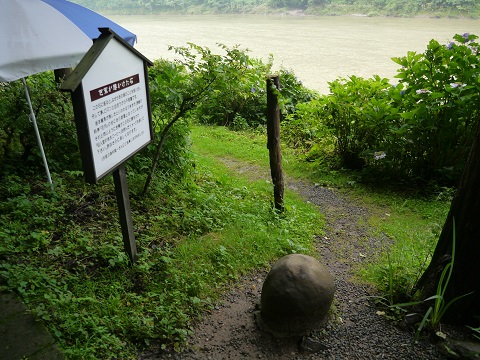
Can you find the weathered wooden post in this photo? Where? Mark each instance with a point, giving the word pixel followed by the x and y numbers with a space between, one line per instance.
pixel 124 212
pixel 273 140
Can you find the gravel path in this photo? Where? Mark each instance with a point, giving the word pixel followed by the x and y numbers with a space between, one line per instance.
pixel 357 332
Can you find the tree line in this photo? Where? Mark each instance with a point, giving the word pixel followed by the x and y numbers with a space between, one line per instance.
pixel 315 7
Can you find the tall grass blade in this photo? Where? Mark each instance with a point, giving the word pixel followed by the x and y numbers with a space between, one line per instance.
pixel 422 324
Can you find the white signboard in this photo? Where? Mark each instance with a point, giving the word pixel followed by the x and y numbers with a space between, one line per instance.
pixel 116 105
pixel 112 113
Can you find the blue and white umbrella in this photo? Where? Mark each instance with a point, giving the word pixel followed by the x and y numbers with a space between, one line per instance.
pixel 41 35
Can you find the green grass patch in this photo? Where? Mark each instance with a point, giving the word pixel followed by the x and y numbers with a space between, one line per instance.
pixel 411 227
pixel 250 147
pixel 410 223
pixel 63 252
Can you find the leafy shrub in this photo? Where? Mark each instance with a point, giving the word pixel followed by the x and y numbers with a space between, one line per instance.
pixel 225 89
pixel 236 88
pixel 305 130
pixel 293 92
pixel 170 88
pixel 54 114
pixel 420 129
pixel 440 107
pixel 359 112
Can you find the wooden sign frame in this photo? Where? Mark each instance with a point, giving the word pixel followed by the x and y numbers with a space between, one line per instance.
pixel 111 103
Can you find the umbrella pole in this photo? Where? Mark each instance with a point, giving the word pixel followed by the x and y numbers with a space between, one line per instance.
pixel 39 140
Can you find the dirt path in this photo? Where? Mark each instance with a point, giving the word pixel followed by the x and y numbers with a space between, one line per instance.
pixel 357 332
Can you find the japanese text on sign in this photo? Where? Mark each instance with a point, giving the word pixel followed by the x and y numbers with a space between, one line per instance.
pixel 115 118
pixel 114 87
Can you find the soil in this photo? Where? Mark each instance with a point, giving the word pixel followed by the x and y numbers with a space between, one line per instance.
pixel 356 329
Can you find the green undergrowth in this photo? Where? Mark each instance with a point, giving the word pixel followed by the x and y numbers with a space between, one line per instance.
pixel 63 252
pixel 410 226
pixel 250 147
pixel 407 220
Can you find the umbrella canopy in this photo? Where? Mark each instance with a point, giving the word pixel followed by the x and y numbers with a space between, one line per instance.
pixel 89 21
pixel 40 35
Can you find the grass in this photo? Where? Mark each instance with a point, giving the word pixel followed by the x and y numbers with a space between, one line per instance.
pixel 409 223
pixel 412 227
pixel 251 148
pixel 63 252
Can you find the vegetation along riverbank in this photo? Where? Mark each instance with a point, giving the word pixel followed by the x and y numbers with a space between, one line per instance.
pixel 204 218
pixel 431 8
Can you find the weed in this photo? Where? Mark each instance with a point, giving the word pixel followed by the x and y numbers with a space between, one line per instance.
pixel 476 332
pixel 435 312
pixel 64 254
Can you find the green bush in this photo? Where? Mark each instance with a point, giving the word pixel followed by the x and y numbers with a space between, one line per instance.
pixel 439 109
pixel 237 88
pixel 305 131
pixel 170 86
pixel 226 89
pixel 54 114
pixel 293 92
pixel 421 129
pixel 359 111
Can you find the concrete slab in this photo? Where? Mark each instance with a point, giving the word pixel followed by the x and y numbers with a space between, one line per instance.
pixel 21 337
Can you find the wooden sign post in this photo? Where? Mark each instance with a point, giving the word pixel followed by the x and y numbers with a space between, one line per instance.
pixel 273 140
pixel 111 103
pixel 123 202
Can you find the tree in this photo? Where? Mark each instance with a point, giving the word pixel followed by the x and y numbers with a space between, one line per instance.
pixel 174 92
pixel 211 85
pixel 464 211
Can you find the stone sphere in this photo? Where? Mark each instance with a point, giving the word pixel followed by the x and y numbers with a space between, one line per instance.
pixel 296 296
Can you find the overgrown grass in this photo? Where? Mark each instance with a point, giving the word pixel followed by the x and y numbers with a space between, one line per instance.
pixel 409 222
pixel 63 252
pixel 412 226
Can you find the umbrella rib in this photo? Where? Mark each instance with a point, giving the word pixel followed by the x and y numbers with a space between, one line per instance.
pixel 37 132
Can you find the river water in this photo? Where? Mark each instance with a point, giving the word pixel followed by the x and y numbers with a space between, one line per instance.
pixel 317 49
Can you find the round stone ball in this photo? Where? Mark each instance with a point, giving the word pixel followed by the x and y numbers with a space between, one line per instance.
pixel 296 295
